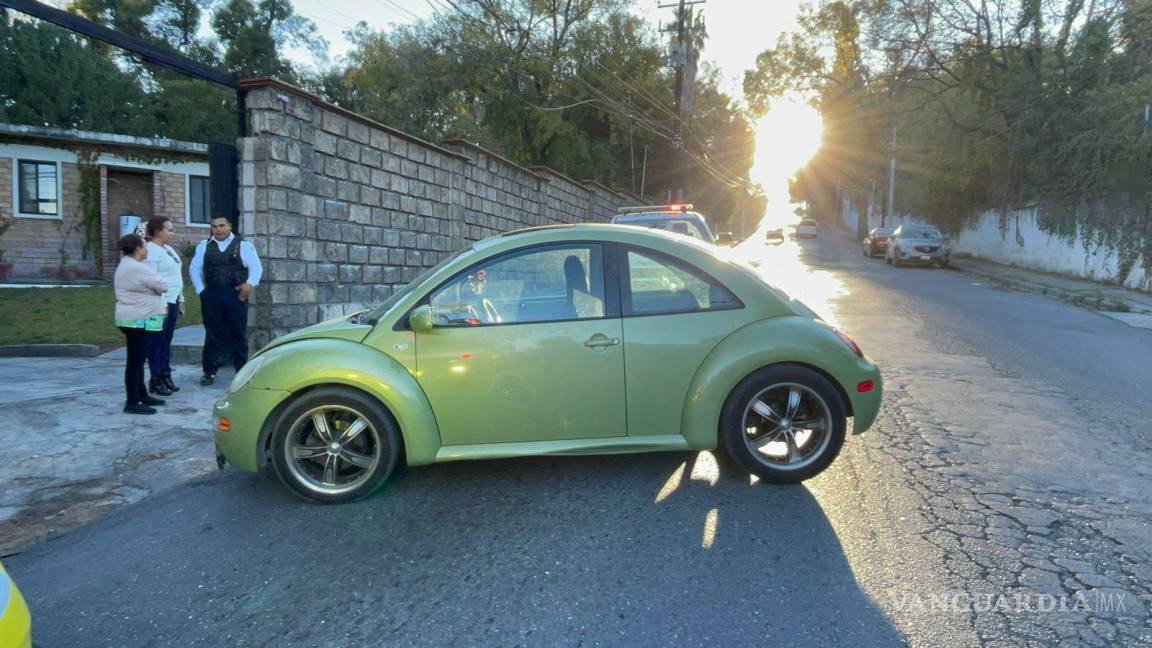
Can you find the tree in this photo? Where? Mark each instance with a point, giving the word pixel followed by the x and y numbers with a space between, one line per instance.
pixel 995 105
pixel 580 87
pixel 53 78
pixel 252 34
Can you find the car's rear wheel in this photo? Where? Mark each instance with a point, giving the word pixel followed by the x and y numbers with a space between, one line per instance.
pixel 783 423
pixel 335 445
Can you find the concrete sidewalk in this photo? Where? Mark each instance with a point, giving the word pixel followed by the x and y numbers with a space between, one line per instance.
pixel 73 455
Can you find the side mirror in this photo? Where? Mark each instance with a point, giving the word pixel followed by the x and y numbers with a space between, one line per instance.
pixel 420 320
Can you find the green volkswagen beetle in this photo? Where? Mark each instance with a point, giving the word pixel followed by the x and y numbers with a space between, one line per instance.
pixel 557 340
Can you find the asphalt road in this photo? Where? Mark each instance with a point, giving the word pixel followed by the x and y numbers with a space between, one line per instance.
pixel 1010 467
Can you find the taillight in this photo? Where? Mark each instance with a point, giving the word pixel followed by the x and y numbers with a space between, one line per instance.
pixel 851 344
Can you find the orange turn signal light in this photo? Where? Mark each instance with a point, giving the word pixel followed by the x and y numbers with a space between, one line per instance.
pixel 223 425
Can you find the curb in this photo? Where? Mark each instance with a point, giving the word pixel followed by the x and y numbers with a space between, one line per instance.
pixel 49 351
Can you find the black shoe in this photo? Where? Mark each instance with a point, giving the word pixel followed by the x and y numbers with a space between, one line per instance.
pixel 138 408
pixel 158 386
pixel 207 380
pixel 169 384
pixel 149 400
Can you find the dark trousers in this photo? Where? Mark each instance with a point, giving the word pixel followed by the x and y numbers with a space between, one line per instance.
pixel 160 345
pixel 225 327
pixel 134 390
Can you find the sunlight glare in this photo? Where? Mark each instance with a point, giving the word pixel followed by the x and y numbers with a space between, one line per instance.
pixel 705 468
pixel 711 520
pixel 786 138
pixel 672 484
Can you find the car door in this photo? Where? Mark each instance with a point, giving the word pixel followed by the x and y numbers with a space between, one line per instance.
pixel 674 314
pixel 526 347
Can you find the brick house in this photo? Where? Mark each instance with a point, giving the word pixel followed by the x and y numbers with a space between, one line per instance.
pixel 42 197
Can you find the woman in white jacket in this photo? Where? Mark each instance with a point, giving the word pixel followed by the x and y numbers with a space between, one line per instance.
pixel 140 308
pixel 167 264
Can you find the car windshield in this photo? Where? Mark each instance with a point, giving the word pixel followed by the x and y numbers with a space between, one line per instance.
pixel 920 233
pixel 382 309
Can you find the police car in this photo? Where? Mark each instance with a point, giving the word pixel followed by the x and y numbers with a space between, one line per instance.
pixel 678 218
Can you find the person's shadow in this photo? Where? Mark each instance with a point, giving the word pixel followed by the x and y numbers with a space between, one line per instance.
pixel 655 549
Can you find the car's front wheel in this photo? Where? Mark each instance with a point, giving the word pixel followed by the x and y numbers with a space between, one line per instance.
pixel 783 423
pixel 335 445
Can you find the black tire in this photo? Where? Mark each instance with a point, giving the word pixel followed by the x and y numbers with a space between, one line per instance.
pixel 945 263
pixel 817 392
pixel 378 440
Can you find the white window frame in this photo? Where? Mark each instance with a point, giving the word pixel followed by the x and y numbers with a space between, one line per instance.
pixel 188 201
pixel 16 189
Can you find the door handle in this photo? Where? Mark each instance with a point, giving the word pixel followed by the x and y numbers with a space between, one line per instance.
pixel 601 341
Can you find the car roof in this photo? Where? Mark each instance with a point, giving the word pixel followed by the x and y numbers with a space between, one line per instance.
pixel 657 215
pixel 588 232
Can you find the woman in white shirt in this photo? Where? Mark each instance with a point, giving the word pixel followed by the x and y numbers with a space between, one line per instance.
pixel 167 264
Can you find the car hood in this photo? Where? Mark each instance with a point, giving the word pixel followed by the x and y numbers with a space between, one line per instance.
pixel 342 328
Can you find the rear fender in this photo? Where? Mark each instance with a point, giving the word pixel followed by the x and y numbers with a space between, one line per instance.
pixel 306 364
pixel 778 340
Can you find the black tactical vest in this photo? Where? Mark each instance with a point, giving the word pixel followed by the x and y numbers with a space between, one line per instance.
pixel 224 268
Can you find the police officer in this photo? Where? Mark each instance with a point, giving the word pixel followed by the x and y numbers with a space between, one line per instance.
pixel 224 271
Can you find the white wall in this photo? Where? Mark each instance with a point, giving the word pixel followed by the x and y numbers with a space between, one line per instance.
pixel 1024 244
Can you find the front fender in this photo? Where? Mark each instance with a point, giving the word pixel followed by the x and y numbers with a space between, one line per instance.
pixel 789 339
pixel 304 364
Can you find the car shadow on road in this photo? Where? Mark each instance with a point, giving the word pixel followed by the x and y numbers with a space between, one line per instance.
pixel 657 548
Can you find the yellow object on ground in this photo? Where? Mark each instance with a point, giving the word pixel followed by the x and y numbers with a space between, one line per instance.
pixel 15 620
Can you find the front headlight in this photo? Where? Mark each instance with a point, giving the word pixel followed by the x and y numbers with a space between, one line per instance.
pixel 244 376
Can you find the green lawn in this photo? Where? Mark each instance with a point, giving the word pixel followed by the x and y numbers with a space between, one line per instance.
pixel 70 315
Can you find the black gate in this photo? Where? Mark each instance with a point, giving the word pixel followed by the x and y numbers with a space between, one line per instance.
pixel 222 171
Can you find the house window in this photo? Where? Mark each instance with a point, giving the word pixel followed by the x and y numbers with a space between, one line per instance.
pixel 199 200
pixel 39 188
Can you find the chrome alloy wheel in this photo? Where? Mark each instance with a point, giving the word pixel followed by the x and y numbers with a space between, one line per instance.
pixel 787 426
pixel 332 449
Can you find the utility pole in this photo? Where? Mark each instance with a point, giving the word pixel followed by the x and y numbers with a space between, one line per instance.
pixel 886 222
pixel 680 60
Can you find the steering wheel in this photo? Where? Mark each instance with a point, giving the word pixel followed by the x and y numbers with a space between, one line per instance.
pixel 491 312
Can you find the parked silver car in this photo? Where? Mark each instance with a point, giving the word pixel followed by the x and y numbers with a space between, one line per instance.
pixel 918 244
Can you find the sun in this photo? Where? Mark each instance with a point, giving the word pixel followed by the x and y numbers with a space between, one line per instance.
pixel 786 138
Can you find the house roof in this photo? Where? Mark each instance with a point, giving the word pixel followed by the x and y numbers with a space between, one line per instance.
pixel 97 138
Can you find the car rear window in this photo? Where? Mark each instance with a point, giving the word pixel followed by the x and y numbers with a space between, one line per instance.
pixel 920 232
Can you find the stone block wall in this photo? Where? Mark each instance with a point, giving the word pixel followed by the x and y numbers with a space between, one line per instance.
pixel 345 210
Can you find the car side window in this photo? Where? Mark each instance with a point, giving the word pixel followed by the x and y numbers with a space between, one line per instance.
pixel 549 284
pixel 658 284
